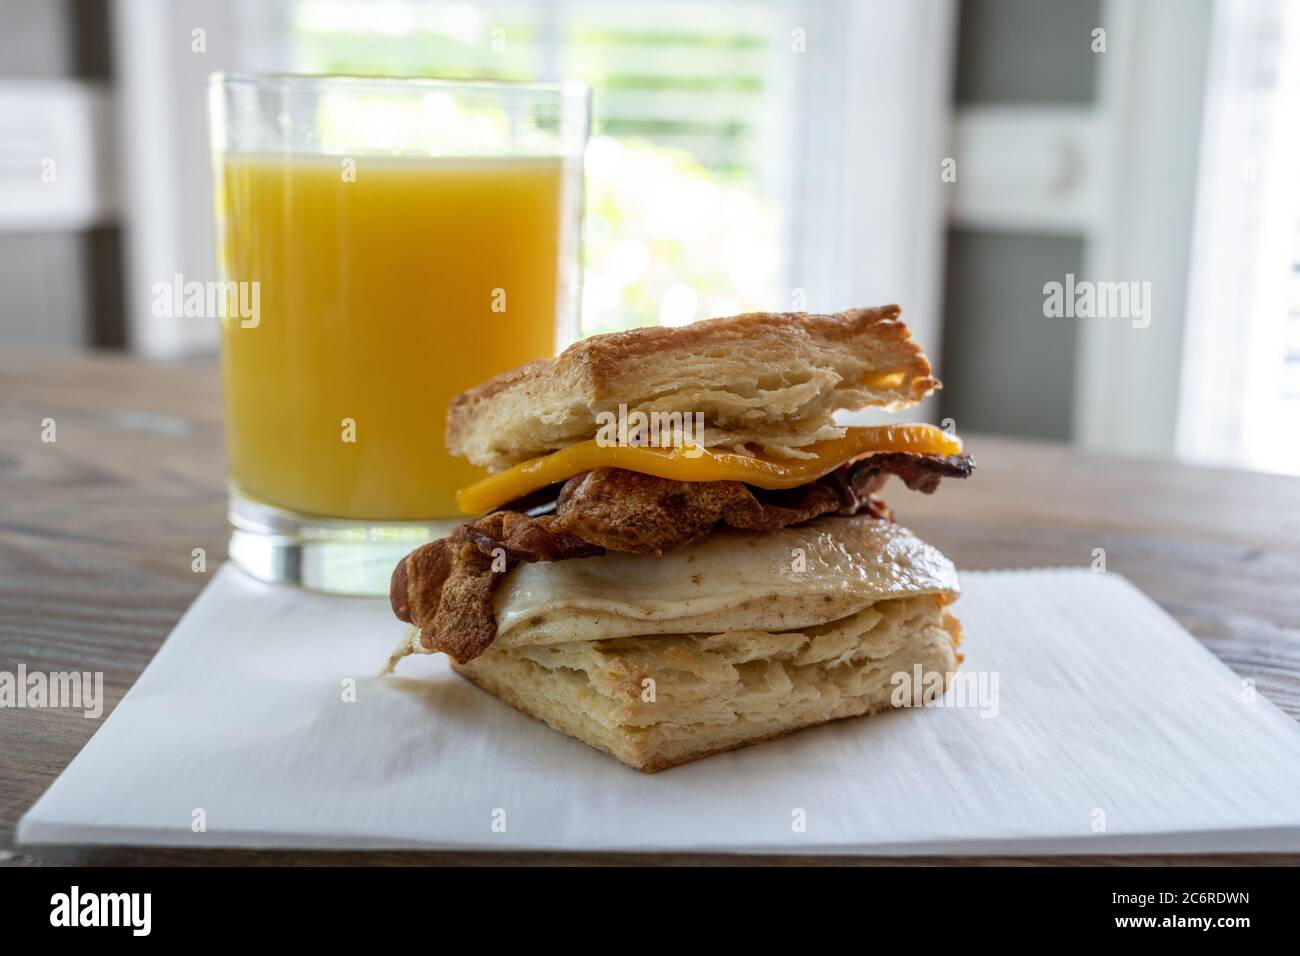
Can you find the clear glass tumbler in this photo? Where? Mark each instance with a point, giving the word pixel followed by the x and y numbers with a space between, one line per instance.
pixel 383 244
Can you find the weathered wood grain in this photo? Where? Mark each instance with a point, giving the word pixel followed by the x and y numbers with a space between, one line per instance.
pixel 97 531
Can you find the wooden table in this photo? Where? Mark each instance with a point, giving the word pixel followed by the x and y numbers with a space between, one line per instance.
pixel 98 527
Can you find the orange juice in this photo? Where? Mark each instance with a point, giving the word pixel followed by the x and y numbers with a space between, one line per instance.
pixel 382 294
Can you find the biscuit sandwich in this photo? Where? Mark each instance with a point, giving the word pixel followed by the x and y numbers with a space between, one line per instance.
pixel 678 550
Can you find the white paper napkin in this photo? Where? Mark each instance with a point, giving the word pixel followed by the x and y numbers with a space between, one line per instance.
pixel 1115 731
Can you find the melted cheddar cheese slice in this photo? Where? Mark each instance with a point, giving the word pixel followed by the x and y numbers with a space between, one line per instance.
pixel 694 463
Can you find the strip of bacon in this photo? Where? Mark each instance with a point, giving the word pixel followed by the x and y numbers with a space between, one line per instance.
pixel 445 587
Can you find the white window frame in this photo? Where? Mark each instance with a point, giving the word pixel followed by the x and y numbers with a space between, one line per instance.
pixel 872 115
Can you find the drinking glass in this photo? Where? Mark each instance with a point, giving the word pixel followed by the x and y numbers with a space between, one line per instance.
pixel 383 244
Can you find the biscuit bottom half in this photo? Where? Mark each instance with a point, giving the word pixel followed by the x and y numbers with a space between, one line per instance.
pixel 657 701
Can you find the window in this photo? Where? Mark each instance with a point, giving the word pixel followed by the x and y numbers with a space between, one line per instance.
pixel 747 154
pixel 682 218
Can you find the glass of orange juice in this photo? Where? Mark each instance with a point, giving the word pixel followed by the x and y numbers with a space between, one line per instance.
pixel 383 244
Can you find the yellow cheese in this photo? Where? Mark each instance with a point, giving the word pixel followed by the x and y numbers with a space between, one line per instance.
pixel 694 463
pixel 882 380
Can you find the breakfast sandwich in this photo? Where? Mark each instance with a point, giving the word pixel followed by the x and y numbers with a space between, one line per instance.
pixel 678 550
